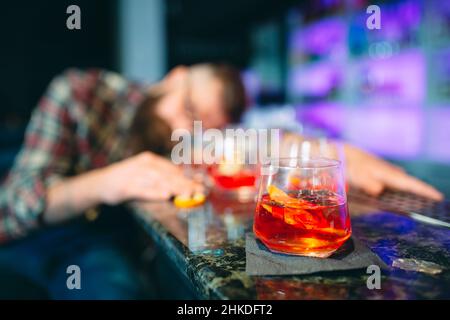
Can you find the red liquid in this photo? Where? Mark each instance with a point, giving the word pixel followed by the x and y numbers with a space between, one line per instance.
pixel 313 224
pixel 243 178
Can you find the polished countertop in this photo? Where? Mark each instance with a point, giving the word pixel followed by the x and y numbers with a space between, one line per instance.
pixel 207 246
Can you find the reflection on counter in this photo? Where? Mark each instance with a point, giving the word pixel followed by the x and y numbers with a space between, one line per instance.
pixel 222 219
pixel 208 245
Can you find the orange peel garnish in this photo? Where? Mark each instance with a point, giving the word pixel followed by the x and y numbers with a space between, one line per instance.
pixel 267 207
pixel 278 195
pixel 294 209
pixel 283 198
pixel 189 202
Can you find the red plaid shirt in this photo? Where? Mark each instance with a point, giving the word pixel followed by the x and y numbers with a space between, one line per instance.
pixel 81 123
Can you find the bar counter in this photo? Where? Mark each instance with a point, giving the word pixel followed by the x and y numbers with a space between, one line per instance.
pixel 206 246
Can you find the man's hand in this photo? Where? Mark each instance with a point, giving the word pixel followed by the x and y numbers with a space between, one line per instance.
pixel 145 176
pixel 373 175
pixel 142 177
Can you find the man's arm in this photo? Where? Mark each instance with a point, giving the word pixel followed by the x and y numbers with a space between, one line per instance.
pixel 38 187
pixel 68 198
pixel 373 175
pixel 145 176
pixel 363 170
pixel 45 158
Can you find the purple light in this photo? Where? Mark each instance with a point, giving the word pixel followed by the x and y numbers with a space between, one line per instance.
pixel 411 13
pixel 401 76
pixel 384 129
pixel 328 116
pixel 320 38
pixel 438 146
pixel 315 80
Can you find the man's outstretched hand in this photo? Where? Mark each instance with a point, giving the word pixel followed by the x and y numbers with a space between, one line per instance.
pixel 145 176
pixel 373 175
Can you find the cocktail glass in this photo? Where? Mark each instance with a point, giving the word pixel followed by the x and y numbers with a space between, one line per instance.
pixel 302 207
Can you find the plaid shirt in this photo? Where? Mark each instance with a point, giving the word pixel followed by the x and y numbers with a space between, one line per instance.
pixel 80 124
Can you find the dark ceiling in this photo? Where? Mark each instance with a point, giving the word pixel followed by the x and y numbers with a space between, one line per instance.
pixel 206 17
pixel 205 30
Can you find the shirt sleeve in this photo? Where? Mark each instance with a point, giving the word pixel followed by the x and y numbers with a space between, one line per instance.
pixel 46 156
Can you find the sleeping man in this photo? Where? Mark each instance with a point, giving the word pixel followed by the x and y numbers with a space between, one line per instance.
pixel 97 140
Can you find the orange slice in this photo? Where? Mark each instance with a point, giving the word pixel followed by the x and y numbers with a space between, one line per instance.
pixel 290 217
pixel 300 218
pixel 188 202
pixel 267 207
pixel 293 213
pixel 284 199
pixel 278 195
pixel 277 212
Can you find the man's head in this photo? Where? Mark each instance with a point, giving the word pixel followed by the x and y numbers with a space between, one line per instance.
pixel 211 93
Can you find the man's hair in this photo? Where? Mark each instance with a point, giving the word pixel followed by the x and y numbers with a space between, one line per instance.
pixel 234 97
pixel 149 132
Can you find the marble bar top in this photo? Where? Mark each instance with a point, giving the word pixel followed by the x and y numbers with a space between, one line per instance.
pixel 207 245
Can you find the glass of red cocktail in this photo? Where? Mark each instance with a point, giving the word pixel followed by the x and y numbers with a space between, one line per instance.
pixel 302 207
pixel 234 171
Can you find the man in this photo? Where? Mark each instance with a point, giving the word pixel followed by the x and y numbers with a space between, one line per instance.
pixel 86 151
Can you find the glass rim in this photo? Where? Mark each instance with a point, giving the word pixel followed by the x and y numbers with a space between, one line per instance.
pixel 329 163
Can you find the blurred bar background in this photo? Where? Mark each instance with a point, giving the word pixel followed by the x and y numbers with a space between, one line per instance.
pixel 311 66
